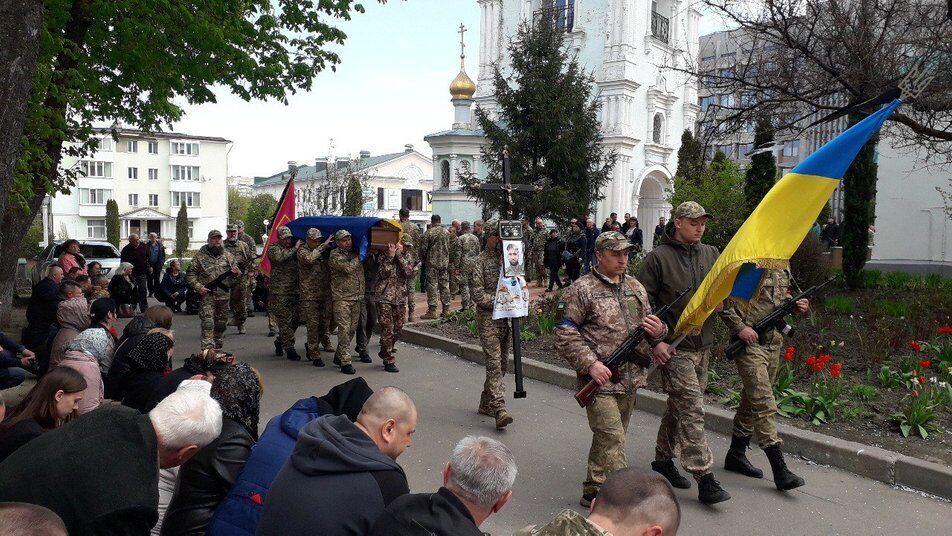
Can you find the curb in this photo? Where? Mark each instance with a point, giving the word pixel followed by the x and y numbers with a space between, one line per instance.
pixel 864 460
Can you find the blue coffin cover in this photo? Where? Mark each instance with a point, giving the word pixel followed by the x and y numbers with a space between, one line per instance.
pixel 358 226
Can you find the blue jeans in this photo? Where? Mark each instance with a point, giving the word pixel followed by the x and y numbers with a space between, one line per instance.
pixel 11 377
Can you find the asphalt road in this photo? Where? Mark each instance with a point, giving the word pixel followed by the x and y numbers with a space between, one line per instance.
pixel 550 440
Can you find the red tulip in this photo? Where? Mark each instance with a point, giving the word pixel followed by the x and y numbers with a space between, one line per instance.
pixel 925 363
pixel 915 392
pixel 825 358
pixel 811 361
pixel 915 346
pixel 944 330
pixel 789 353
pixel 922 380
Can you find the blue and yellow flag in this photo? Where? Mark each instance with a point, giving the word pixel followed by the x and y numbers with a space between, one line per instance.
pixel 778 225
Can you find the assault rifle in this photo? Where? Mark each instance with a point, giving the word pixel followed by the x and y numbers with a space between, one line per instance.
pixel 219 282
pixel 776 320
pixel 625 353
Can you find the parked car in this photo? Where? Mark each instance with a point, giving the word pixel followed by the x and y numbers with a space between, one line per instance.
pixel 104 253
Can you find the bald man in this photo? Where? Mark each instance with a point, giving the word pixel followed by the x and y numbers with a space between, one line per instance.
pixel 23 519
pixel 343 474
pixel 631 502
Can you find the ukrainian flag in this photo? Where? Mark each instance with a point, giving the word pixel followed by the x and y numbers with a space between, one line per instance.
pixel 778 225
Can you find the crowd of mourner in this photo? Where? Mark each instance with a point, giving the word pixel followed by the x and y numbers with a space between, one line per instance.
pixel 123 434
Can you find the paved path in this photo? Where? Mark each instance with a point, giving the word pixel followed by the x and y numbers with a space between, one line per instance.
pixel 550 440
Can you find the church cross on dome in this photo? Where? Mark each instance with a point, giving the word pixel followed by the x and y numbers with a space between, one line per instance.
pixel 462 45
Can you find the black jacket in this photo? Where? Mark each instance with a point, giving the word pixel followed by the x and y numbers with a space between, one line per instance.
pixel 41 311
pixel 138 257
pixel 138 389
pixel 137 328
pixel 122 291
pixel 336 483
pixel 204 480
pixel 99 473
pixel 18 435
pixel 552 258
pixel 576 244
pixel 425 514
pixel 172 284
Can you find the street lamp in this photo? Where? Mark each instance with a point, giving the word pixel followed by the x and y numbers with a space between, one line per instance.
pixel 264 237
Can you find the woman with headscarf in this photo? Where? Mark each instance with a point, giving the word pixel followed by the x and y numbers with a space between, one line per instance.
pixel 123 289
pixel 149 362
pixel 72 315
pixel 50 404
pixel 205 480
pixel 102 317
pixel 84 355
pixel 71 258
pixel 206 364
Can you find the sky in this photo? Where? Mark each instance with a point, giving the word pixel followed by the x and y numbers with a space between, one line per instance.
pixel 390 89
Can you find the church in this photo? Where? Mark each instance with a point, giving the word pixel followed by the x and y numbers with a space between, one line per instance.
pixel 631 47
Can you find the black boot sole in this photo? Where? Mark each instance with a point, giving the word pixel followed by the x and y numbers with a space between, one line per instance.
pixel 794 484
pixel 736 466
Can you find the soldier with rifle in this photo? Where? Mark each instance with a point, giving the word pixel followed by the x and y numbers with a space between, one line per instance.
pixel 600 311
pixel 244 259
pixel 210 267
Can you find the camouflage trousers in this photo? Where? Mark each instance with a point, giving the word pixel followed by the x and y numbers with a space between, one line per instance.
pixel 454 282
pixel 272 323
pixel 757 413
pixel 608 417
pixel 538 267
pixel 284 307
pixel 437 287
pixel 465 295
pixel 411 291
pixel 238 301
pixel 390 317
pixel 316 315
pixel 213 314
pixel 681 434
pixel 496 339
pixel 346 313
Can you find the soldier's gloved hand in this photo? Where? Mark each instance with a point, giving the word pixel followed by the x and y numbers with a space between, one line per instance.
pixel 748 335
pixel 202 291
pixel 662 353
pixel 600 373
pixel 653 325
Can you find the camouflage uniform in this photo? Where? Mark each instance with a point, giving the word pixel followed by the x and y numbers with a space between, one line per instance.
pixel 390 298
pixel 213 312
pixel 283 288
pixel 567 523
pixel 313 295
pixel 347 291
pixel 527 236
pixel 252 269
pixel 367 320
pixel 436 251
pixel 469 250
pixel 455 254
pixel 410 229
pixel 495 336
pixel 757 364
pixel 537 254
pixel 598 316
pixel 240 290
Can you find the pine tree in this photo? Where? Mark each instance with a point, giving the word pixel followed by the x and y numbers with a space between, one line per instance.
pixel 762 173
pixel 112 222
pixel 690 158
pixel 859 196
pixel 548 120
pixel 181 231
pixel 353 198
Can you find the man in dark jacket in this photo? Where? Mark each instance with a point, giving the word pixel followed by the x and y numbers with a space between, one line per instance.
pixel 681 261
pixel 137 254
pixel 41 317
pixel 342 474
pixel 591 233
pixel 100 473
pixel 156 261
pixel 477 483
pixel 14 358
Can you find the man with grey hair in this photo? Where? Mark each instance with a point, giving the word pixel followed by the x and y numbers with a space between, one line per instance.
pixel 477 482
pixel 136 253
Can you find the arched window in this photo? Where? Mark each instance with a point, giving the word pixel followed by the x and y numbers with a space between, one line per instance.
pixel 657 131
pixel 445 174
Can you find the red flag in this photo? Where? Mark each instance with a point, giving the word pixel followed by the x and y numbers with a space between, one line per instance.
pixel 282 216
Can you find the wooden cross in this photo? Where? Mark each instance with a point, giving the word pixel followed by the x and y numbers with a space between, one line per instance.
pixel 506 185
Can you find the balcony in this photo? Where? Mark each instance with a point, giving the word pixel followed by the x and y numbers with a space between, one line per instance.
pixel 660 27
pixel 563 16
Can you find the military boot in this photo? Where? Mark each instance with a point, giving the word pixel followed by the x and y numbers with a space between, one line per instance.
pixel 409 315
pixel 709 490
pixel 364 357
pixel 783 478
pixel 348 369
pixel 390 367
pixel 503 419
pixel 667 469
pixel 587 499
pixel 430 314
pixel 736 459
pixel 278 350
pixel 446 311
pixel 242 330
pixel 292 354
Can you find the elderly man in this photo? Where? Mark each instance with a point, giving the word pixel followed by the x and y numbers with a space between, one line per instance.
pixel 283 288
pixel 477 483
pixel 137 254
pixel 343 474
pixel 210 263
pixel 100 473
pixel 41 316
pixel 156 262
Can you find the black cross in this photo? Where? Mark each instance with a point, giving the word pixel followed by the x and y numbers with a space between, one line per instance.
pixel 506 185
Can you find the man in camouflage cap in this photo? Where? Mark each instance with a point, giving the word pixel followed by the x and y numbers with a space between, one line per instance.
pixel 394 267
pixel 283 289
pixel 244 260
pixel 347 291
pixel 313 296
pixel 410 229
pixel 251 273
pixel 681 261
pixel 600 310
pixel 495 336
pixel 632 503
pixel 209 263
pixel 436 252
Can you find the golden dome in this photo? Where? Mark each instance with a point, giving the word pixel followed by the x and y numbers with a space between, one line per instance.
pixel 462 87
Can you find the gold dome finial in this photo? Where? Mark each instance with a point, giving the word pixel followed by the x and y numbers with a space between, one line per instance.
pixel 462 87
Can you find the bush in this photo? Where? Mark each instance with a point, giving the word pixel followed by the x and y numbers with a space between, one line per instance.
pixel 892 308
pixel 808 264
pixel 840 305
pixel 871 278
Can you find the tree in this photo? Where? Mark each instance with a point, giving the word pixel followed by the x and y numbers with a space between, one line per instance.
pixel 329 192
pixel 721 192
pixel 548 119
pixel 237 205
pixel 112 222
pixel 260 208
pixel 354 199
pixel 31 242
pixel 803 58
pixel 690 158
pixel 762 173
pixel 181 231
pixel 134 63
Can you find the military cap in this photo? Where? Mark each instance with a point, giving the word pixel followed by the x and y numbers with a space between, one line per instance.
pixel 231 227
pixel 284 232
pixel 690 209
pixel 313 234
pixel 612 240
pixel 492 227
pixel 213 233
pixel 340 235
pixel 239 223
pixel 406 240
